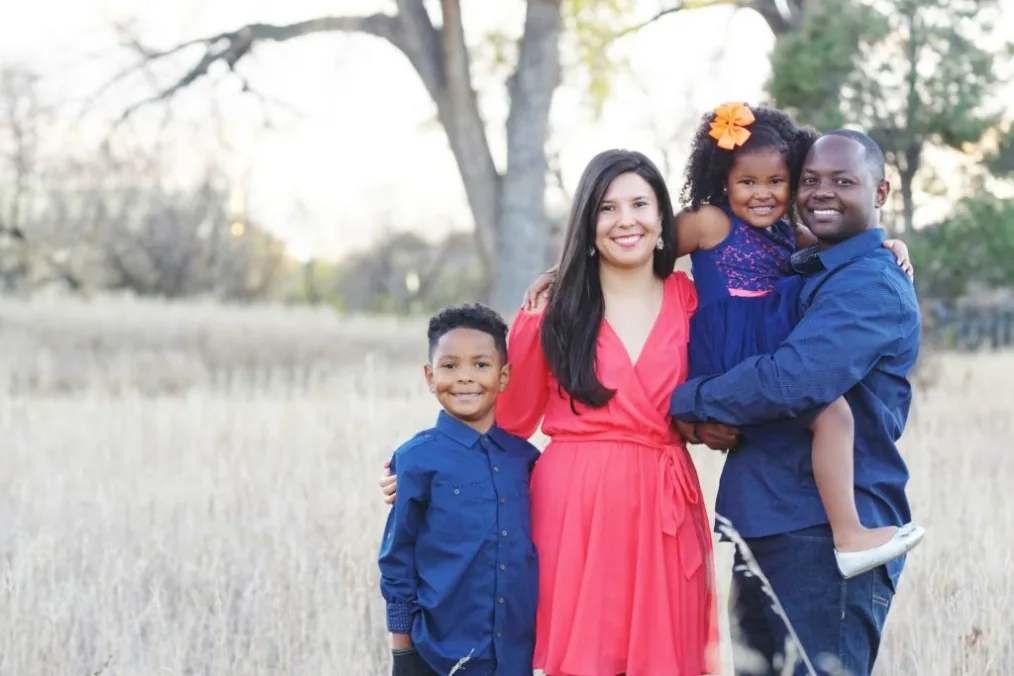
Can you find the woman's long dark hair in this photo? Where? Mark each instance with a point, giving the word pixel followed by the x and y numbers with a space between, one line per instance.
pixel 570 326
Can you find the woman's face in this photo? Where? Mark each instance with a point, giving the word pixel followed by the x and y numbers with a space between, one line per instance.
pixel 628 223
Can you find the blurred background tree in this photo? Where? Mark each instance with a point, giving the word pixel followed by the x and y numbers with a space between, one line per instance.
pixel 911 73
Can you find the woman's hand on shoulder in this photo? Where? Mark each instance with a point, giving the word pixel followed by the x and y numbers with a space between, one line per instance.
pixel 900 251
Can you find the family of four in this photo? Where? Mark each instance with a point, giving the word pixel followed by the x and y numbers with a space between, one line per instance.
pixel 790 350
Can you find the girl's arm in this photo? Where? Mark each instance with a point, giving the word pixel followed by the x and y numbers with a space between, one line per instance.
pixel 705 228
pixel 520 407
pixel 804 237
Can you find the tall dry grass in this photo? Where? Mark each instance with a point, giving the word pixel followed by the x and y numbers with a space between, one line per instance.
pixel 187 489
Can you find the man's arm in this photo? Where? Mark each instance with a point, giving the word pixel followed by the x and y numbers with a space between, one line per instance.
pixel 853 322
pixel 398 577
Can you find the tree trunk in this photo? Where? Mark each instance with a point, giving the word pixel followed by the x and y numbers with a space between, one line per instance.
pixel 908 172
pixel 523 232
pixel 782 16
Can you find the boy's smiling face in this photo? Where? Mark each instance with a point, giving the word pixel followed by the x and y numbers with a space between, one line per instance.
pixel 466 372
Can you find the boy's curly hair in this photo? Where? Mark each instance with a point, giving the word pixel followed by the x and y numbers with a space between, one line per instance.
pixel 707 170
pixel 473 316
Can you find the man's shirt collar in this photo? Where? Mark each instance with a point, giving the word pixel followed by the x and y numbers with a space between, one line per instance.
pixel 811 259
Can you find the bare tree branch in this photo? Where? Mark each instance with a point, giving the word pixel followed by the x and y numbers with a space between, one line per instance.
pixel 782 16
pixel 679 7
pixel 230 47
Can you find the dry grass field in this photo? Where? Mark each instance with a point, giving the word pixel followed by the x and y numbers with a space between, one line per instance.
pixel 192 490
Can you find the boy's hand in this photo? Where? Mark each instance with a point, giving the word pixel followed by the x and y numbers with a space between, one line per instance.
pixel 401 641
pixel 537 294
pixel 388 484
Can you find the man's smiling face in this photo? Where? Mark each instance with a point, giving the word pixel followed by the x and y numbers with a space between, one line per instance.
pixel 840 190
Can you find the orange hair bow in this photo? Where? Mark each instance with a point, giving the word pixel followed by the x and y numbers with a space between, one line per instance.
pixel 729 125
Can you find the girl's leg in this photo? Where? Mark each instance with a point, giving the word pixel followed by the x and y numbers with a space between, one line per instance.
pixel 833 438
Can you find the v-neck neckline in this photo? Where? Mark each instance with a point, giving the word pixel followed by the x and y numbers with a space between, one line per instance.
pixel 651 332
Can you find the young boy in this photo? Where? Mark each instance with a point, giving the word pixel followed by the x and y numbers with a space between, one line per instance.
pixel 458 568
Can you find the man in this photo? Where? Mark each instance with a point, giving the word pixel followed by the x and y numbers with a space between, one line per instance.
pixel 858 337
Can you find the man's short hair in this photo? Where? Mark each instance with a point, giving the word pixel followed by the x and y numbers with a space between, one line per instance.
pixel 874 154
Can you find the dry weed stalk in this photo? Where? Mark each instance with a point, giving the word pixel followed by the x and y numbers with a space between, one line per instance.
pixel 794 648
pixel 460 666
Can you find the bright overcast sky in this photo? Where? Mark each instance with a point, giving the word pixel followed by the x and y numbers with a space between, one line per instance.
pixel 364 154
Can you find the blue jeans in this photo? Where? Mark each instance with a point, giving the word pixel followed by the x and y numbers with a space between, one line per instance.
pixel 833 617
pixel 409 662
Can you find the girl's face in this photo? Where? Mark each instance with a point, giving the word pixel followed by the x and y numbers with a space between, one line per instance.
pixel 628 223
pixel 758 187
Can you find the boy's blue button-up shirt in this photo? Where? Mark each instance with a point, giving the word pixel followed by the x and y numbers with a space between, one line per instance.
pixel 458 567
pixel 858 337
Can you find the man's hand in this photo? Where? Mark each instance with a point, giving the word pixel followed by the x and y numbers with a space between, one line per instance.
pixel 538 293
pixel 686 430
pixel 388 484
pixel 717 437
pixel 401 641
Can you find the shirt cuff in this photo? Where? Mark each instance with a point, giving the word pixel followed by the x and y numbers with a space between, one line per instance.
pixel 399 617
pixel 681 403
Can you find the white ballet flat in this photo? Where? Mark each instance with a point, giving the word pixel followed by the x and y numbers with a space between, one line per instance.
pixel 856 563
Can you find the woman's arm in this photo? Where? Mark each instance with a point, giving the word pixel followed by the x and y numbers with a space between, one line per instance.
pixel 520 407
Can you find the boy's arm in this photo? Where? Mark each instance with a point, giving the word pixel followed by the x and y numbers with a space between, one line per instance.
pixel 853 322
pixel 398 576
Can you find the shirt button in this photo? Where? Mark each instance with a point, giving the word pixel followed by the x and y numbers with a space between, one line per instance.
pixel 503 567
pixel 457 491
pixel 496 469
pixel 503 533
pixel 499 635
pixel 503 501
pixel 500 600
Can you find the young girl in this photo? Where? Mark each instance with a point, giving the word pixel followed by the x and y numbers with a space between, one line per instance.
pixel 740 231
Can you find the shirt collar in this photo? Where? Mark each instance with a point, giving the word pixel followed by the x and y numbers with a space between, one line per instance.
pixel 465 435
pixel 811 259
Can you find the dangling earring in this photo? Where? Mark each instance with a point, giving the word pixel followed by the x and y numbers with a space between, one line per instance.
pixel 660 244
pixel 591 252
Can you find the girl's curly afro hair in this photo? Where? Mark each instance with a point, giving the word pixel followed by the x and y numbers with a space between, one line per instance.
pixel 707 169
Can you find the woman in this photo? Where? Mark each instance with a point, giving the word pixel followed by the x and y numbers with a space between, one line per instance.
pixel 626 582
pixel 626 579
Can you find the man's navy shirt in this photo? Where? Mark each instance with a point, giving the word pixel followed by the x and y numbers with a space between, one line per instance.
pixel 859 337
pixel 458 567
